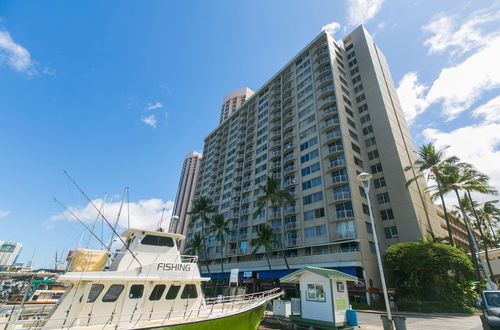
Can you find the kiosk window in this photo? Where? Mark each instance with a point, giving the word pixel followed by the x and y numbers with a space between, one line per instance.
pixel 315 292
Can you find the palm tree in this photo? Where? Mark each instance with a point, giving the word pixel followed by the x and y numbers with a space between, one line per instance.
pixel 491 214
pixel 272 194
pixel 464 177
pixel 201 210
pixel 220 227
pixel 430 165
pixel 195 245
pixel 265 239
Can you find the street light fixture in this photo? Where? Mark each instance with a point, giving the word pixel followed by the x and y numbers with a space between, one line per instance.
pixel 365 179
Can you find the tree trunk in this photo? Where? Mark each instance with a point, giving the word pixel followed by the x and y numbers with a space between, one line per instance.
pixel 222 256
pixel 446 218
pixel 283 237
pixel 205 246
pixel 471 241
pixel 483 238
pixel 270 270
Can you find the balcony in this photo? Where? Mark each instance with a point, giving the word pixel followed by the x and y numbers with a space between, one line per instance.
pixel 275 164
pixel 343 236
pixel 291 226
pixel 247 188
pixel 232 239
pixel 276 115
pixel 289 183
pixel 333 135
pixel 244 212
pixel 275 143
pixel 275 215
pixel 288 135
pixel 276 175
pixel 289 157
pixel 291 210
pixel 324 68
pixel 275 133
pixel 340 196
pixel 274 124
pixel 335 149
pixel 323 80
pixel 289 169
pixel 243 236
pixel 235 204
pixel 338 179
pixel 243 251
pixel 274 154
pixel 288 124
pixel 292 242
pixel 335 164
pixel 344 214
pixel 330 123
pixel 327 100
pixel 244 223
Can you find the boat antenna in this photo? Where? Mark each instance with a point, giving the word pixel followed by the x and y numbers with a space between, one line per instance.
pixel 32 257
pixel 97 217
pixel 80 221
pixel 104 218
pixel 117 218
pixel 161 220
pixel 128 209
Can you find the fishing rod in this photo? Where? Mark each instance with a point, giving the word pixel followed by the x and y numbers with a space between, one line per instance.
pixel 103 217
pixel 118 217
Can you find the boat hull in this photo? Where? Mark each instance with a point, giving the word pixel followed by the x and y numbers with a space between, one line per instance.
pixel 246 320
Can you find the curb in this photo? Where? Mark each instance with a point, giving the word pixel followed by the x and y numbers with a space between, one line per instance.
pixel 414 314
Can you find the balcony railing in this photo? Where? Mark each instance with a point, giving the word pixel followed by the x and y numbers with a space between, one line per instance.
pixel 336 163
pixel 335 148
pixel 339 179
pixel 344 214
pixel 291 225
pixel 292 242
pixel 344 235
pixel 341 195
pixel 289 157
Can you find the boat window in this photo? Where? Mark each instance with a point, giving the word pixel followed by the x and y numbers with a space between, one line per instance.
pixel 95 290
pixel 136 291
pixel 189 292
pixel 157 292
pixel 172 292
pixel 113 293
pixel 157 240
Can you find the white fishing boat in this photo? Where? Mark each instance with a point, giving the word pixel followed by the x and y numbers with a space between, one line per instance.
pixel 148 284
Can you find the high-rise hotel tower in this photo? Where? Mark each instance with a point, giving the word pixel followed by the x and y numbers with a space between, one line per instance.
pixel 185 194
pixel 331 113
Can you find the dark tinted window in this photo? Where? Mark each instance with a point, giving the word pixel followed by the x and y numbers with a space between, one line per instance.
pixel 189 291
pixel 113 293
pixel 158 240
pixel 157 292
pixel 95 290
pixel 136 291
pixel 172 292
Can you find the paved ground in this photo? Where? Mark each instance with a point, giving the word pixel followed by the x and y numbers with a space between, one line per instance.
pixel 370 321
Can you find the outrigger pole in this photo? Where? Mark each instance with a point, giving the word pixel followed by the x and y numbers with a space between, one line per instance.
pixel 104 218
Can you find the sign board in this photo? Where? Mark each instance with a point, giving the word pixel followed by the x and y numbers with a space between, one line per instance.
pixel 247 274
pixel 233 277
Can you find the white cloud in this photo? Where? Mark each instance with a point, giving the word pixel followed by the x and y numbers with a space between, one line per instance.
pixel 4 213
pixel 331 28
pixel 459 87
pixel 15 55
pixel 144 214
pixel 361 11
pixel 149 120
pixel 459 35
pixel 476 144
pixel 490 111
pixel 154 106
pixel 412 96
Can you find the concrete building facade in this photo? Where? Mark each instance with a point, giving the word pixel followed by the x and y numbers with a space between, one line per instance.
pixel 233 101
pixel 329 114
pixel 185 194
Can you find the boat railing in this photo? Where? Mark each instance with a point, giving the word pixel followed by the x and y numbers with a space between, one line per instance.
pixel 145 256
pixel 212 307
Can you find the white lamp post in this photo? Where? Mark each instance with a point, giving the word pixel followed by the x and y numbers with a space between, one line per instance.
pixel 365 179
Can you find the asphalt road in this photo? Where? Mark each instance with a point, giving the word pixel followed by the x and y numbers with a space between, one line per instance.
pixel 371 321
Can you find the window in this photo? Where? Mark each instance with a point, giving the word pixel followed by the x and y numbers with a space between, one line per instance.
pixel 354 71
pixel 372 246
pixel 365 119
pixel 315 231
pixel 314 214
pixel 113 293
pixel 363 108
pixel 362 192
pixel 157 240
pixel 367 130
pixel 307 121
pixel 366 210
pixel 387 214
pixel 136 291
pixel 370 142
pixel 368 227
pixel 189 291
pixel 358 161
pixel 308 144
pixel 95 290
pixel 313 154
pixel 373 154
pixel 360 98
pixel 383 198
pixel 307 132
pixel 351 123
pixel 356 79
pixel 355 148
pixel 340 287
pixel 310 169
pixel 353 62
pixel 172 292
pixel 358 88
pixel 379 183
pixel 313 198
pixel 376 168
pixel 391 232
pixel 157 292
pixel 353 135
pixel 314 182
pixel 315 292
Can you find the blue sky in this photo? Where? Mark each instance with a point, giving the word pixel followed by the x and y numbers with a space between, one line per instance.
pixel 117 93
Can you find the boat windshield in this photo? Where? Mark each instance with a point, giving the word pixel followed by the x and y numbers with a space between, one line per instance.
pixel 493 299
pixel 157 240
